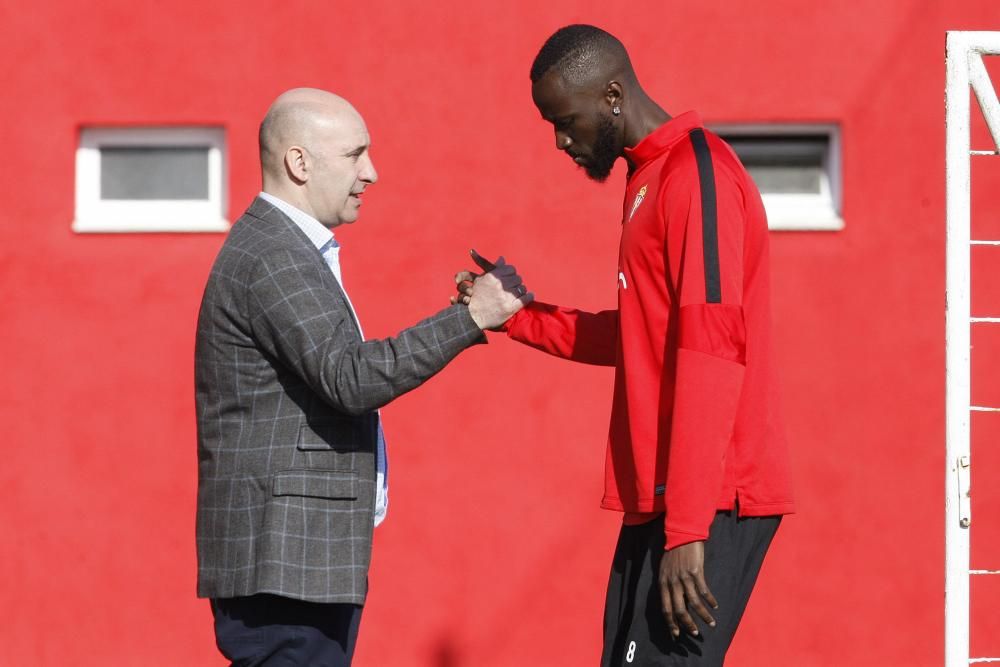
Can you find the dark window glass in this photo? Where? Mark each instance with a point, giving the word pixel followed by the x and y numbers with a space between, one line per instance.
pixel 154 172
pixel 783 164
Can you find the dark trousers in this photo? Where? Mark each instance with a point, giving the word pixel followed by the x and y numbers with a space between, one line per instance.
pixel 272 631
pixel 635 630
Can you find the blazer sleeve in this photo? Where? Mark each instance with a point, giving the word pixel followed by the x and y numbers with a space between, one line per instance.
pixel 296 318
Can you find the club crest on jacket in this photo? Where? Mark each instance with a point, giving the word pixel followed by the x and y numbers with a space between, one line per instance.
pixel 638 200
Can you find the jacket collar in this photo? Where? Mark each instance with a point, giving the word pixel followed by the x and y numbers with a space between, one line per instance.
pixel 660 140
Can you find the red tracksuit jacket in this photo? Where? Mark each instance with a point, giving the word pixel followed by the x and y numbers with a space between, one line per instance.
pixel 696 424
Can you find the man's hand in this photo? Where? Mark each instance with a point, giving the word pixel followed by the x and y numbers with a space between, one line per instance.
pixel 495 296
pixel 682 587
pixel 463 283
pixel 464 279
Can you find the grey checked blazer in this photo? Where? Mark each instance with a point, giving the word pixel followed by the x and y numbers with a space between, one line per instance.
pixel 285 393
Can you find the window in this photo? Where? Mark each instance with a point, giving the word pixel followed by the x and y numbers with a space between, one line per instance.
pixel 150 179
pixel 796 168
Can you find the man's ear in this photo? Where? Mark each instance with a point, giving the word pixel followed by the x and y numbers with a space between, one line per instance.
pixel 614 94
pixel 297 164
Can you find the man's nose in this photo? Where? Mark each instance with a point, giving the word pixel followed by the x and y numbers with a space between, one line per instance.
pixel 368 173
pixel 563 141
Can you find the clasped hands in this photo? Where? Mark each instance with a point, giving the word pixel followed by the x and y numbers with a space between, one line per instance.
pixel 495 295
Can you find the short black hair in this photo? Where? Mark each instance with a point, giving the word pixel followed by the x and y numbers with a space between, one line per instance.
pixel 573 48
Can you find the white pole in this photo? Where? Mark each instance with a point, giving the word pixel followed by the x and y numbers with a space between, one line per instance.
pixel 985 93
pixel 957 337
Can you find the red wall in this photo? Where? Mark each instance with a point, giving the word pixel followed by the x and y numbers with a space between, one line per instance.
pixel 495 552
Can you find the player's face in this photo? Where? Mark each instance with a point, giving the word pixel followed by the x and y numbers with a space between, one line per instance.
pixel 342 169
pixel 583 125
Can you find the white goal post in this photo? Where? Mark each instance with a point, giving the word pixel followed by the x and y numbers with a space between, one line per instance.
pixel 965 68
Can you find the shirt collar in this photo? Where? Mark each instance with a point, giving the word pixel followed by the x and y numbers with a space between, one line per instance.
pixel 662 138
pixel 318 234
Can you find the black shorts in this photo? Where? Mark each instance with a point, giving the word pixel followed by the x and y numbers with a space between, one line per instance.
pixel 635 630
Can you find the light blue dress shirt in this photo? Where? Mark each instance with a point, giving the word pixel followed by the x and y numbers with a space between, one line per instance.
pixel 325 242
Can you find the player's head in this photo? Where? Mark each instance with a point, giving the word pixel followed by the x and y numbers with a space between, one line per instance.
pixel 314 154
pixel 580 82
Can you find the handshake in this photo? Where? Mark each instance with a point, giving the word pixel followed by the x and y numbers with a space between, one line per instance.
pixel 493 296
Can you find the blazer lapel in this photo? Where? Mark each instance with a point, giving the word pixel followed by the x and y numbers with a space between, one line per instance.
pixel 285 227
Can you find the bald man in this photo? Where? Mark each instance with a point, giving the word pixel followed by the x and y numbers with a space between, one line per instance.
pixel 292 463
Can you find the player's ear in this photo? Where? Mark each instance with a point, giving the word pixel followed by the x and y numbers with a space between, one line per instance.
pixel 614 95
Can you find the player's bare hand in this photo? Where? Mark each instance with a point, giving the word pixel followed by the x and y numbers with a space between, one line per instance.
pixel 683 589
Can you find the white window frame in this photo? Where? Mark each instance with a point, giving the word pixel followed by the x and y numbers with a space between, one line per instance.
pixel 94 214
pixel 802 212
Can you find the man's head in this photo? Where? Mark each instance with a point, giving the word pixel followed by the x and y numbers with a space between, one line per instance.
pixel 579 81
pixel 314 154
